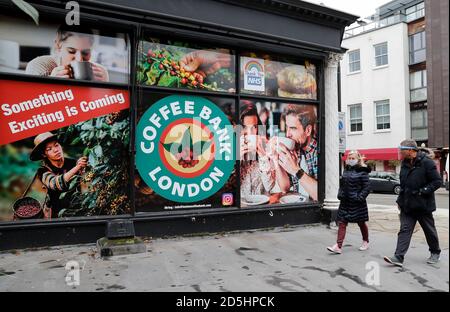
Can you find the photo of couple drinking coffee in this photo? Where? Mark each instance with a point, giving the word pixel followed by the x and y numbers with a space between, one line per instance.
pixel 278 153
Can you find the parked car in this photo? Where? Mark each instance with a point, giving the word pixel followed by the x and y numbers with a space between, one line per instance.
pixel 386 182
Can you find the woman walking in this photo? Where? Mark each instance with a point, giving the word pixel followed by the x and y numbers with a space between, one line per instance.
pixel 353 192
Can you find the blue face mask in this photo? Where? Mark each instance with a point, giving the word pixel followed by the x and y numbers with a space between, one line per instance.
pixel 352 162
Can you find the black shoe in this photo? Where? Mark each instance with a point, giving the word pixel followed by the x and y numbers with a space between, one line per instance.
pixel 434 258
pixel 394 261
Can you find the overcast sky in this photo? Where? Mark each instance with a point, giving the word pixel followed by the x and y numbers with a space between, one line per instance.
pixel 362 8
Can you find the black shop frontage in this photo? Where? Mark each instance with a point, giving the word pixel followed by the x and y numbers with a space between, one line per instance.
pixel 185 117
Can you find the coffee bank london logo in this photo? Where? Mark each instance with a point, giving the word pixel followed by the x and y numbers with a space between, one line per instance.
pixel 184 148
pixel 254 74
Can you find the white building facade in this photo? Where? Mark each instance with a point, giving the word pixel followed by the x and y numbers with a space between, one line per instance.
pixel 375 93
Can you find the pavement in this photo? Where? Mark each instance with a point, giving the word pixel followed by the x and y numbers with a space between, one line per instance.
pixel 280 259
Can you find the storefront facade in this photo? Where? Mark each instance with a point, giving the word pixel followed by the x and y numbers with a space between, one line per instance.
pixel 170 114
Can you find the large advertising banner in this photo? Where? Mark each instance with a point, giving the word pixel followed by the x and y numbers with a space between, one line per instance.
pixel 278 146
pixel 185 65
pixel 278 77
pixel 185 154
pixel 62 51
pixel 63 151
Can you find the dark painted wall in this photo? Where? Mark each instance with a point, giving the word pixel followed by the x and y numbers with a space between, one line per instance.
pixel 231 16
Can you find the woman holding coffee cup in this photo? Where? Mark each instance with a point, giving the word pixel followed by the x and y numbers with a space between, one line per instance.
pixel 72 57
pixel 257 175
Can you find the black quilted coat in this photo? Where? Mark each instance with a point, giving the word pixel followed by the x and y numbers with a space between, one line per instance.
pixel 353 191
pixel 418 181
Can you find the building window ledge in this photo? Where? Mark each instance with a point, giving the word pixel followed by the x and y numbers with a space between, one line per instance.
pixel 382 131
pixel 380 67
pixel 356 133
pixel 354 73
pixel 418 101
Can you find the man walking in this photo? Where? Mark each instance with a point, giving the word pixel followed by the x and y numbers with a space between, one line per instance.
pixel 419 179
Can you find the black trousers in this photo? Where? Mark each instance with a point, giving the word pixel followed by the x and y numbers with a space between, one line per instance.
pixel 407 224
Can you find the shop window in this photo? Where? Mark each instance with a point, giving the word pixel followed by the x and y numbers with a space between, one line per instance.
pixel 65 52
pixel 181 162
pixel 390 166
pixel 356 123
pixel 271 134
pixel 381 54
pixel 276 76
pixel 185 152
pixel 184 65
pixel 354 61
pixel 64 148
pixel 382 115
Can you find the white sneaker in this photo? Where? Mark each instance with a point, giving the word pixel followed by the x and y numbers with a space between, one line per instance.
pixel 364 246
pixel 335 249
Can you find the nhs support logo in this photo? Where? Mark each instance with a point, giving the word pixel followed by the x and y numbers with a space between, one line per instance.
pixel 253 74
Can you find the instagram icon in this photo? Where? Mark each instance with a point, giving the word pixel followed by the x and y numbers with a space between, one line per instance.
pixel 227 199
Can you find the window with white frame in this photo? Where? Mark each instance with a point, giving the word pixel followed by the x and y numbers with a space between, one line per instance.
pixel 417 48
pixel 381 54
pixel 419 124
pixel 383 115
pixel 354 61
pixel 415 12
pixel 356 124
pixel 418 86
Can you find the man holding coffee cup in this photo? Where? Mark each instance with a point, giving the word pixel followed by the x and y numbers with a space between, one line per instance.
pixel 300 125
pixel 72 58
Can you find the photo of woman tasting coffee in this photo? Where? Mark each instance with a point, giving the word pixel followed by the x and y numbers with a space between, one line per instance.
pixel 71 58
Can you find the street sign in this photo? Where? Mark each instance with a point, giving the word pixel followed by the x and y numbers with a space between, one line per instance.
pixel 342 132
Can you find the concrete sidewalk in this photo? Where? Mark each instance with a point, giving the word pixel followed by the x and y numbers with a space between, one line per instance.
pixel 282 259
pixel 385 219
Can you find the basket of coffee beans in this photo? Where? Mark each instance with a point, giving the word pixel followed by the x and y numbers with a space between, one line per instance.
pixel 27 208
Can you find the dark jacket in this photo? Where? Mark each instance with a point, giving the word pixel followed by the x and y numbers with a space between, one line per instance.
pixel 353 191
pixel 418 182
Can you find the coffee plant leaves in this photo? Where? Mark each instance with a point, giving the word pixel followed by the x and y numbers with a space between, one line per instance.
pixel 86 151
pixel 62 212
pixel 74 182
pixel 87 126
pixel 172 148
pixel 167 80
pixel 28 9
pixel 76 141
pixel 186 141
pixel 98 151
pixel 200 147
pixel 92 160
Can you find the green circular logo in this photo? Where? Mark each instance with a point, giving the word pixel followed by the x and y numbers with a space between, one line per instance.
pixel 184 148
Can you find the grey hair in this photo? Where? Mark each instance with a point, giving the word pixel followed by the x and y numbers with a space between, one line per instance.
pixel 410 143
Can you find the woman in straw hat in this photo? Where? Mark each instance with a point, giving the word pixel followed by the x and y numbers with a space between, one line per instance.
pixel 56 171
pixel 353 192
